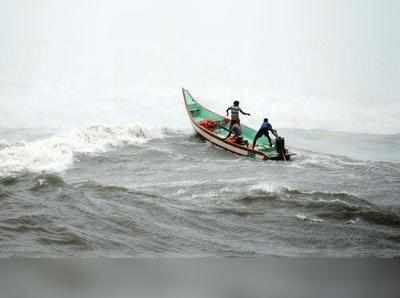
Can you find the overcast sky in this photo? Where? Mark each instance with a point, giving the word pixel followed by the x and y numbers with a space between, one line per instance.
pixel 311 64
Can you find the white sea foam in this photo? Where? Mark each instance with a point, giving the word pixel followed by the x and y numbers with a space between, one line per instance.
pixel 268 188
pixel 303 217
pixel 335 201
pixel 57 153
pixel 320 160
pixel 352 221
pixel 180 191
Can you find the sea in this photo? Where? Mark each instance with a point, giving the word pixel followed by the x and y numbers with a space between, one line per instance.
pixel 136 191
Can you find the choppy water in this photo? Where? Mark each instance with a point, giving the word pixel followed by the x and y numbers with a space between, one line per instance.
pixel 135 191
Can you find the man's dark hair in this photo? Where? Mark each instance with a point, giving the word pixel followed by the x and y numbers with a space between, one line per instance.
pixel 265 119
pixel 236 103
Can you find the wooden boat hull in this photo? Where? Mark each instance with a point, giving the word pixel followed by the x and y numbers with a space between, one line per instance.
pixel 197 114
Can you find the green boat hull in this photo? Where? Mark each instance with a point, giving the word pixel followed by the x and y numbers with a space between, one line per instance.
pixel 198 114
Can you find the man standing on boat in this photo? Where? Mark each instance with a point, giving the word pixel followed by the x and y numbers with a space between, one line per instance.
pixel 264 131
pixel 235 109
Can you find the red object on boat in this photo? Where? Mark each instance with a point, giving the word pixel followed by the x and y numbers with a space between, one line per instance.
pixel 208 124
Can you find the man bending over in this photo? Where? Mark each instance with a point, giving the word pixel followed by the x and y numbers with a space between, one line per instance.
pixel 264 131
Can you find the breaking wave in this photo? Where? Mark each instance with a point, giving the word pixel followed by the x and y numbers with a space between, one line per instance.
pixel 58 152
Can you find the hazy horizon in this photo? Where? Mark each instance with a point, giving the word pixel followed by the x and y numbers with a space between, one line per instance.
pixel 304 64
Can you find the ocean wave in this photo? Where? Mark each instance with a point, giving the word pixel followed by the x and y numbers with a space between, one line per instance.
pixel 310 159
pixel 8 180
pixel 104 189
pixel 57 153
pixel 313 197
pixel 340 206
pixel 378 216
pixel 50 233
pixel 45 181
pixel 95 186
pixel 292 196
pixel 24 223
pixel 66 238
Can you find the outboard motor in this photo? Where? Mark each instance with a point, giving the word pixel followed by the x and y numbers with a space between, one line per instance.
pixel 280 147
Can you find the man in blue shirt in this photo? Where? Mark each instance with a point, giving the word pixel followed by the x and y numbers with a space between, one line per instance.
pixel 264 131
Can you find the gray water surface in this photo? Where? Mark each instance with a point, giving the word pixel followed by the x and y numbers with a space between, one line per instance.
pixel 176 195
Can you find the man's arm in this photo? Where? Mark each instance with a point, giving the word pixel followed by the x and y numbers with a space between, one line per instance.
pixel 274 132
pixel 227 111
pixel 244 113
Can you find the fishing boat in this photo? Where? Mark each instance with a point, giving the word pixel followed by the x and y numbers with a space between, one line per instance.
pixel 215 129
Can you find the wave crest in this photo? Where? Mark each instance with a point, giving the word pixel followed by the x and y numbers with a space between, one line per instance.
pixel 57 152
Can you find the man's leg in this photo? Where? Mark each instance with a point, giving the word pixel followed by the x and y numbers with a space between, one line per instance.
pixel 229 134
pixel 233 121
pixel 258 135
pixel 269 138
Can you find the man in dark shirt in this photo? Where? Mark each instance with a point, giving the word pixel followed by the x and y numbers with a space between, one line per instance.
pixel 264 131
